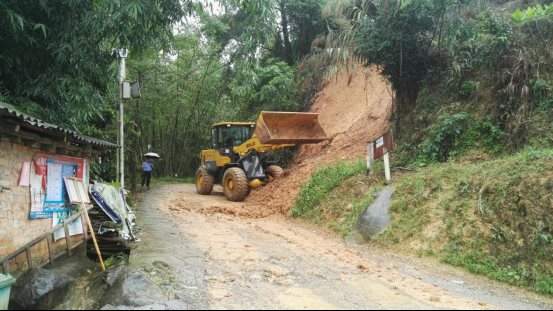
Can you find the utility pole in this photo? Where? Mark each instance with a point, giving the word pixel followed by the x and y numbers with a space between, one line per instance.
pixel 121 54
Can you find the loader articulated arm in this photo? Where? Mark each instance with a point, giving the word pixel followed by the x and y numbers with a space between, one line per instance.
pixel 280 130
pixel 255 144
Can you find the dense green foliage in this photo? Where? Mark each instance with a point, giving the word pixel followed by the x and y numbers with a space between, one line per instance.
pixel 453 135
pixel 402 41
pixel 449 56
pixel 56 55
pixel 181 98
pixel 532 13
pixel 465 75
pixel 220 60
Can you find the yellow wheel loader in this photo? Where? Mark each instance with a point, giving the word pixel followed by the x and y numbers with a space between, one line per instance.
pixel 240 156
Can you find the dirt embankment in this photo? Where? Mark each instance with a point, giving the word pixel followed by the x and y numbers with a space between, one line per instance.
pixel 355 108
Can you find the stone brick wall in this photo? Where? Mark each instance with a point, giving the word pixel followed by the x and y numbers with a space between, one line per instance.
pixel 15 227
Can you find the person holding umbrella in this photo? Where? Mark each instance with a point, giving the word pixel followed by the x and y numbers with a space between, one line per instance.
pixel 148 168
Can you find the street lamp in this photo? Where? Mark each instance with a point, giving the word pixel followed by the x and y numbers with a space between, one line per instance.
pixel 122 55
pixel 127 90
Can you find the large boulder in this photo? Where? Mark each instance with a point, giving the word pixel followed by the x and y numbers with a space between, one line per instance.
pixel 132 289
pixel 40 287
pixel 48 287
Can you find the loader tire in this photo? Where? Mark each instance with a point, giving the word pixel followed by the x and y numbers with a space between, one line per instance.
pixel 235 184
pixel 274 171
pixel 204 181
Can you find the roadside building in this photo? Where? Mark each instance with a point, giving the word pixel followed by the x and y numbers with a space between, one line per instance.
pixel 35 159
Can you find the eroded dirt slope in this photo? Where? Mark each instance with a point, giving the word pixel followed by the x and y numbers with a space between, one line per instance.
pixel 355 108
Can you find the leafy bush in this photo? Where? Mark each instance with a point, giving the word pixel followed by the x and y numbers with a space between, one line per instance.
pixel 532 13
pixel 468 88
pixel 542 92
pixel 493 36
pixel 454 134
pixel 478 47
pixel 444 136
pixel 487 135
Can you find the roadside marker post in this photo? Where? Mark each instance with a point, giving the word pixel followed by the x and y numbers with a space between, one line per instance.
pixel 370 156
pixel 380 149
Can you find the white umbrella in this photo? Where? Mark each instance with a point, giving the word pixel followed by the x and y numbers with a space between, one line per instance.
pixel 152 155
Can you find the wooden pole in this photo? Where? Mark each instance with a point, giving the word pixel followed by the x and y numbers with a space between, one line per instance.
pixel 29 258
pixel 67 238
pixel 50 250
pixel 85 213
pixel 85 231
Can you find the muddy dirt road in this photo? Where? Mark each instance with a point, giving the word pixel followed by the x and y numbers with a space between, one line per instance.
pixel 212 260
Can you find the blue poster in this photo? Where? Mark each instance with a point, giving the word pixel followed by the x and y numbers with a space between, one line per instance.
pixel 56 195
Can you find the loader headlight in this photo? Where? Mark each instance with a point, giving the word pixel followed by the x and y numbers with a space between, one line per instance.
pixel 227 151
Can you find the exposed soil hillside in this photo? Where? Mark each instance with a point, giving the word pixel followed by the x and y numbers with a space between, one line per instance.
pixel 355 108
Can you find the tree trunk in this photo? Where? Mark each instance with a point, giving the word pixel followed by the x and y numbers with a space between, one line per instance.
pixel 285 34
pixel 405 101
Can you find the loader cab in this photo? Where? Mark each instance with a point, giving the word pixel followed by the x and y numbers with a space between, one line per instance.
pixel 227 135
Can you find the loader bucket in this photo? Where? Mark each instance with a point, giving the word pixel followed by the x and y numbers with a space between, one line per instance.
pixel 277 128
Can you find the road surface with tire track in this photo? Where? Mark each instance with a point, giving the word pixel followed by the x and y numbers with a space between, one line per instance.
pixel 220 261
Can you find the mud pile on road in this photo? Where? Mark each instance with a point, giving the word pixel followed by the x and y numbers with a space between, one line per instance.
pixel 355 108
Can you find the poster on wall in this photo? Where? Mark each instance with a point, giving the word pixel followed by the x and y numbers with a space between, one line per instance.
pixel 37 196
pixel 25 176
pixel 48 194
pixel 54 183
pixel 56 193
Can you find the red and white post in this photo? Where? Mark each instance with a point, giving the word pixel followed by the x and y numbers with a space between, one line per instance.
pixel 378 149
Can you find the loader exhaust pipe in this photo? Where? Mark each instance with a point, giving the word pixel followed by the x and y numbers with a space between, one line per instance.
pixel 278 128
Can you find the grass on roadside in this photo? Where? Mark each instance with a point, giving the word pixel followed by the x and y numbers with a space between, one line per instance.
pixel 491 217
pixel 321 183
pixel 336 195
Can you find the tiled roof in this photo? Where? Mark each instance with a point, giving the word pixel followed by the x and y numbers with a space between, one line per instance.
pixel 48 129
